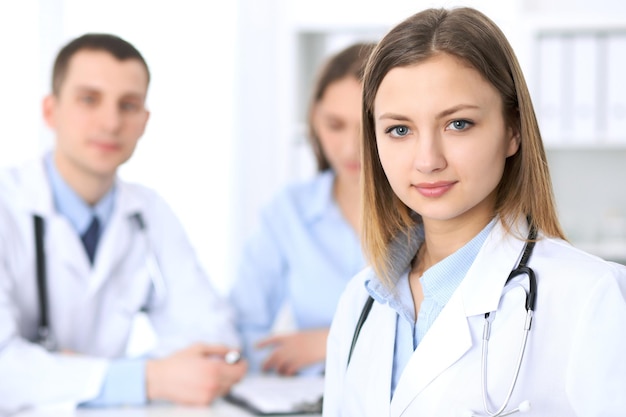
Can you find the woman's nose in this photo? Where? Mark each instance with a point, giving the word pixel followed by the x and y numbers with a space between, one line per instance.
pixel 429 155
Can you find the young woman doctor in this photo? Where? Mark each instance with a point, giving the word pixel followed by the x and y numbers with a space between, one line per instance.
pixel 455 187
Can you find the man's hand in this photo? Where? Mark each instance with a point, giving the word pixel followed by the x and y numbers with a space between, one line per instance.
pixel 294 351
pixel 193 376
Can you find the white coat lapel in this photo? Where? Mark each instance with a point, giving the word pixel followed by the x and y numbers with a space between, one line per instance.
pixel 38 200
pixel 449 338
pixel 482 287
pixel 69 252
pixel 445 342
pixel 370 366
pixel 118 237
pixel 62 243
pixel 66 246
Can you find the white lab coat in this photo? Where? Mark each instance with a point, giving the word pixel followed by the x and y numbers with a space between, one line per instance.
pixel 574 362
pixel 92 309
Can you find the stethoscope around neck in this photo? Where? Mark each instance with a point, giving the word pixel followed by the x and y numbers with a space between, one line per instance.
pixel 522 268
pixel 44 335
pixel 531 296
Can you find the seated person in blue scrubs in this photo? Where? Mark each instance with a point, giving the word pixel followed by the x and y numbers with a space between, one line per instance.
pixel 63 336
pixel 307 245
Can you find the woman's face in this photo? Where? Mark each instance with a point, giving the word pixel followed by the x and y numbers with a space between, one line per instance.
pixel 337 121
pixel 442 139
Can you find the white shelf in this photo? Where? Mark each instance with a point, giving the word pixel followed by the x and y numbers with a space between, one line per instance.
pixel 577 146
pixel 575 22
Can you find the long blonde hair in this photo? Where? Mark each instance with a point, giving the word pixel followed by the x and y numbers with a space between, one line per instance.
pixel 525 188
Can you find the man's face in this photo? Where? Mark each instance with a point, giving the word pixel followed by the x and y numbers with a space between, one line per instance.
pixel 98 114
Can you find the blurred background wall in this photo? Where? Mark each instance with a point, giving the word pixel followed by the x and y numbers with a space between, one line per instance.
pixel 231 82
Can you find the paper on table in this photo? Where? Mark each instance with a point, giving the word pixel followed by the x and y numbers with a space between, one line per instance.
pixel 276 395
pixel 52 410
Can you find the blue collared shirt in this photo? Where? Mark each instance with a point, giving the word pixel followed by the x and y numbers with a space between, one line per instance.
pixel 438 284
pixel 74 208
pixel 125 379
pixel 303 253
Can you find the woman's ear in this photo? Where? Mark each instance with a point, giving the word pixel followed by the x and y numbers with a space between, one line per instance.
pixel 515 140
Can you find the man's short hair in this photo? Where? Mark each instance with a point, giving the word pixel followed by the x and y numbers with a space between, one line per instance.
pixel 116 46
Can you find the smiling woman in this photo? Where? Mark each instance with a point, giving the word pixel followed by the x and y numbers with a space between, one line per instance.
pixel 452 141
pixel 456 194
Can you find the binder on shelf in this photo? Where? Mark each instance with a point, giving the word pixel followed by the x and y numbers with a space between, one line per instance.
pixel 616 88
pixel 584 119
pixel 550 92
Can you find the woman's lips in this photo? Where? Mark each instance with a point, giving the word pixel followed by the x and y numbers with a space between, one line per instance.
pixel 434 189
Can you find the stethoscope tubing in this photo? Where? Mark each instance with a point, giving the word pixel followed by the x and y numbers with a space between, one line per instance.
pixel 531 297
pixel 154 269
pixel 44 334
pixel 483 361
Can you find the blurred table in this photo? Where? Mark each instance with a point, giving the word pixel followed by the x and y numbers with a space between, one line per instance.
pixel 220 408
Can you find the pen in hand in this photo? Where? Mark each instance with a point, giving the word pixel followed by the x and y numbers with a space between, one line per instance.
pixel 232 357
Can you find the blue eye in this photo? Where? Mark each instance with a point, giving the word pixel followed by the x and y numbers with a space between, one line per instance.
pixel 460 125
pixel 397 131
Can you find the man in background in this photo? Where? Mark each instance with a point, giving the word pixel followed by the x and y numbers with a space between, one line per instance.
pixel 82 252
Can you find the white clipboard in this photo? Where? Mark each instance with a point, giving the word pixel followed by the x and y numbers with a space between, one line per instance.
pixel 273 395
